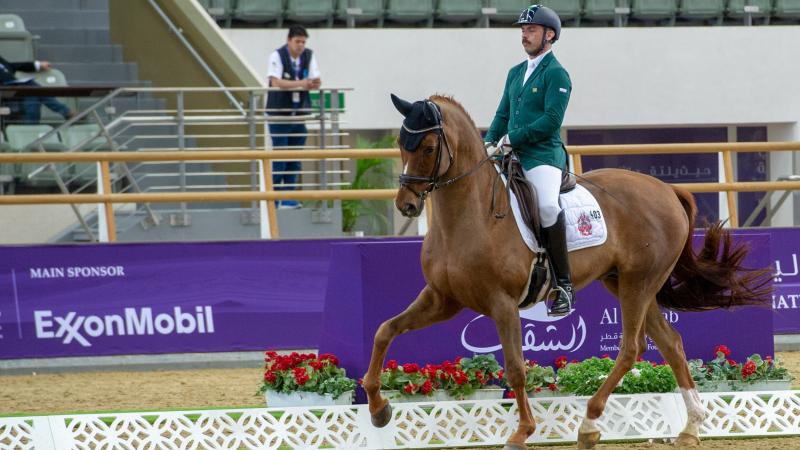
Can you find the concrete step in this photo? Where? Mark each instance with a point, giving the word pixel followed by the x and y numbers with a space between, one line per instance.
pixel 110 73
pixel 71 36
pixel 11 6
pixel 62 18
pixel 79 54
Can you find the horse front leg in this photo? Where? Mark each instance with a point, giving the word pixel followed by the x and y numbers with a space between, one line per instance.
pixel 506 320
pixel 428 308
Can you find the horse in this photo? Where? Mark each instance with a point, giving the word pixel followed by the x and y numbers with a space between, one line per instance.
pixel 473 258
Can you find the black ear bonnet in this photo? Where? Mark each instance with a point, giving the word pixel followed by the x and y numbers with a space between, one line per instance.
pixel 423 118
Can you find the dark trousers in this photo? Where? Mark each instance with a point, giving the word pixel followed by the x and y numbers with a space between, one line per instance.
pixel 30 107
pixel 293 135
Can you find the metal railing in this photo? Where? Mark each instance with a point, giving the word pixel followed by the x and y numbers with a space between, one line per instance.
pixel 267 195
pixel 180 127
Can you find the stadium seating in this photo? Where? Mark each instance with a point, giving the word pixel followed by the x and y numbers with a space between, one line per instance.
pixel 655 10
pixel 370 10
pixel 20 137
pixel 459 11
pixel 260 11
pixel 703 10
pixel 219 10
pixel 566 9
pixel 410 11
pixel 507 10
pixel 310 11
pixel 600 10
pixel 787 9
pixel 736 9
pixel 78 137
pixel 51 78
pixel 16 43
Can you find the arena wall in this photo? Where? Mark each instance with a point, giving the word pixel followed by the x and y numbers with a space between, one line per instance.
pixel 622 77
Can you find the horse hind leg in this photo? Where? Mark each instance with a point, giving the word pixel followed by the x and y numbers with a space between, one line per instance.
pixel 670 345
pixel 506 319
pixel 635 298
pixel 428 308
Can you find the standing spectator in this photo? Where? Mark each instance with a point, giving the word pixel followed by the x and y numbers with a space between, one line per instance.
pixel 30 106
pixel 292 67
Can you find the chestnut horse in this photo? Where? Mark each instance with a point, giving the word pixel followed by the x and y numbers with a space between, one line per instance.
pixel 475 259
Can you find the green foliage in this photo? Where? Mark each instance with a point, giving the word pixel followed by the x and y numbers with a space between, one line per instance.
pixel 585 378
pixel 371 173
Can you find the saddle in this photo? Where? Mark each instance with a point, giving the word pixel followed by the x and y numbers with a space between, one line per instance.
pixel 529 209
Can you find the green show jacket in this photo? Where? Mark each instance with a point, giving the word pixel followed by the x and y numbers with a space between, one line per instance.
pixel 531 114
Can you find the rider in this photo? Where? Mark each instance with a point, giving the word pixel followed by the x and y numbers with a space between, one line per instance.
pixel 529 121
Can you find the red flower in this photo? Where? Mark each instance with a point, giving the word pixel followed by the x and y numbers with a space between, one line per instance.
pixel 500 373
pixel 552 386
pixel 392 364
pixel 460 377
pixel 316 365
pixel 605 356
pixel 410 388
pixel 561 362
pixel 457 360
pixel 768 359
pixel 652 363
pixel 511 394
pixel 731 362
pixel 722 349
pixel 270 377
pixel 538 389
pixel 327 356
pixel 427 387
pixel 639 359
pixel 748 369
pixel 411 368
pixel 300 376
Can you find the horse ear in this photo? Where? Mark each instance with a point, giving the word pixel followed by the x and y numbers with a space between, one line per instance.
pixel 403 106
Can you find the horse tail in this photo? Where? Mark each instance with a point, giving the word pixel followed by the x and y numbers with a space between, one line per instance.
pixel 713 278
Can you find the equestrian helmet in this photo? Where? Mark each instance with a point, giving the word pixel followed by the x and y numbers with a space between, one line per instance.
pixel 541 15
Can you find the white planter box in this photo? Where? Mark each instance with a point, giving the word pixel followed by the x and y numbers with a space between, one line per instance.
pixel 280 400
pixel 737 386
pixel 442 396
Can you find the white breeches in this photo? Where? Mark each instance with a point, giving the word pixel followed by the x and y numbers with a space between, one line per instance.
pixel 546 180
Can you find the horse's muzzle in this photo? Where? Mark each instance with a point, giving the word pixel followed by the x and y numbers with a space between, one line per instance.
pixel 409 210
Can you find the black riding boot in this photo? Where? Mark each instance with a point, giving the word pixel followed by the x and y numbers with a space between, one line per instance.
pixel 555 239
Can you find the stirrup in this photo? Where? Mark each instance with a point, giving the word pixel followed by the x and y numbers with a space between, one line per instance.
pixel 563 303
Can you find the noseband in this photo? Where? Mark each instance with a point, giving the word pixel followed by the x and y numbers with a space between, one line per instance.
pixel 433 179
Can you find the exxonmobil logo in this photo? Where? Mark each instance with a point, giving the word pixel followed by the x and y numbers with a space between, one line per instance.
pixel 73 327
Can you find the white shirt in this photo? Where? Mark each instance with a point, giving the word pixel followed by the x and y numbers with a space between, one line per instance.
pixel 275 68
pixel 532 63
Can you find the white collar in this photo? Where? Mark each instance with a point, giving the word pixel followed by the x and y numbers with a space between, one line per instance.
pixel 532 63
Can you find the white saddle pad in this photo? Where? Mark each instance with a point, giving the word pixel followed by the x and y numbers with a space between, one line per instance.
pixel 586 226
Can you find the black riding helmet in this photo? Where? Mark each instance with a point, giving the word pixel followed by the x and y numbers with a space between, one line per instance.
pixel 541 15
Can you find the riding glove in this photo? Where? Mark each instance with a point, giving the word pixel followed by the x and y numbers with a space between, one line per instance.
pixel 504 144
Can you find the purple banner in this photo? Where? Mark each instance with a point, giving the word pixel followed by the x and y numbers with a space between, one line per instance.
pixel 786 299
pixel 371 282
pixel 87 300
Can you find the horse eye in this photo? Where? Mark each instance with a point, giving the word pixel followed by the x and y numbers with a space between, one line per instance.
pixel 428 150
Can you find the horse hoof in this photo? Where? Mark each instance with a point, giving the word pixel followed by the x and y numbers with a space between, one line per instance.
pixel 514 446
pixel 687 440
pixel 588 440
pixel 382 417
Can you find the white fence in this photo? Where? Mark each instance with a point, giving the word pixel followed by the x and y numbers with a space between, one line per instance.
pixel 414 425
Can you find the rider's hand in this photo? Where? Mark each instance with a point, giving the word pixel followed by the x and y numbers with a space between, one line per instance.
pixel 490 148
pixel 504 144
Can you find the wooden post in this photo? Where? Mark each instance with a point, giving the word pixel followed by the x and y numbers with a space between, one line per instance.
pixel 105 174
pixel 733 216
pixel 266 167
pixel 577 168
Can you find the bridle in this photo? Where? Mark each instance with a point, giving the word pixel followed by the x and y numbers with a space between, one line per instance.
pixel 433 180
